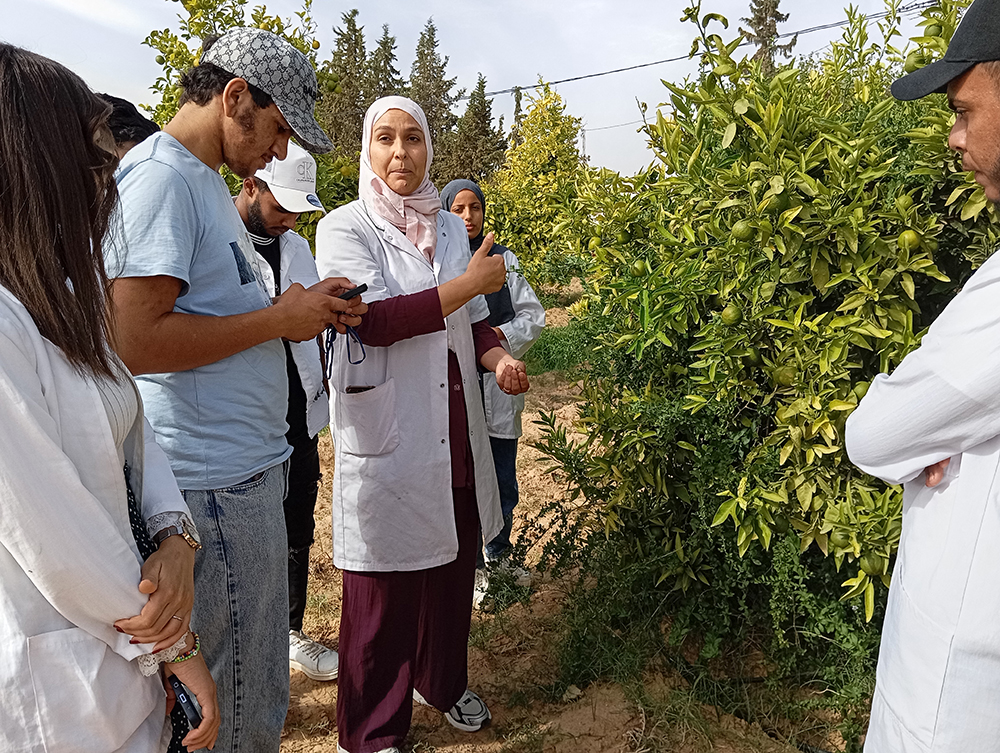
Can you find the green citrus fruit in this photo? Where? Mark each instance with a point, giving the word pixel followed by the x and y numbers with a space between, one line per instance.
pixel 595 243
pixel 860 390
pixel 639 268
pixel 624 237
pixel 160 60
pixel 840 540
pixel 778 203
pixel 914 61
pixel 781 524
pixel 785 376
pixel 872 564
pixel 904 202
pixel 732 314
pixel 347 171
pixel 315 44
pixel 934 30
pixel 908 239
pixel 753 358
pixel 932 245
pixel 741 231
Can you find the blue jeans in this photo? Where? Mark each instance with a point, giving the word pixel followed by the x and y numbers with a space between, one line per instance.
pixel 505 461
pixel 241 607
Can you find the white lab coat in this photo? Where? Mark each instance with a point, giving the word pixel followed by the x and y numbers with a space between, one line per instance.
pixel 298 265
pixel 392 500
pixel 69 566
pixel 938 679
pixel 503 411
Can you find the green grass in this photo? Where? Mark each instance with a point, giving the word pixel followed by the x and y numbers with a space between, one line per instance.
pixel 564 349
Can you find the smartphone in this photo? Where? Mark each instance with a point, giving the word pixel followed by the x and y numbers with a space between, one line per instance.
pixel 353 292
pixel 184 699
pixel 355 389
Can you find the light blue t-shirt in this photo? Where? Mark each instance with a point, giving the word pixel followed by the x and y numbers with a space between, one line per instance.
pixel 222 423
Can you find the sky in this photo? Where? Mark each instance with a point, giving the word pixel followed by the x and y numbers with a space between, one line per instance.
pixel 511 42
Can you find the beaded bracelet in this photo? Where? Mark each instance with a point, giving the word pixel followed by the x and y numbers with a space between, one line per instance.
pixel 191 653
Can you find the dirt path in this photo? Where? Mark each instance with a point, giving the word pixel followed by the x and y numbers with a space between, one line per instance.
pixel 512 659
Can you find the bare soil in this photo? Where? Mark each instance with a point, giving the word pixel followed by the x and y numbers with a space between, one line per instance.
pixel 512 654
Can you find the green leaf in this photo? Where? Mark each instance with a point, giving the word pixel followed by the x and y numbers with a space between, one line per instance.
pixel 729 135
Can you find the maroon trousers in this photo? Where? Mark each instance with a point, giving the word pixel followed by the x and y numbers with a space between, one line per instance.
pixel 405 630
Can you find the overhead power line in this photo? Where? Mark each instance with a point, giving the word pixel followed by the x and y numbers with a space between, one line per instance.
pixel 911 8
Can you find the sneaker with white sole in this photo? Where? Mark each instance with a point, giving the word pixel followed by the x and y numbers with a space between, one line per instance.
pixel 520 576
pixel 314 659
pixel 470 714
pixel 481 587
pixel 384 750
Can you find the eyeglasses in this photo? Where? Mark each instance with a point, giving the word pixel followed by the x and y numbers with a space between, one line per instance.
pixel 331 336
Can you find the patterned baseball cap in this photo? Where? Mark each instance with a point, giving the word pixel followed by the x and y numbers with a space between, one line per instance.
pixel 275 67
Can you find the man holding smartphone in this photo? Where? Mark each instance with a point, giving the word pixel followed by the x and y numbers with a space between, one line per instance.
pixel 269 205
pixel 196 319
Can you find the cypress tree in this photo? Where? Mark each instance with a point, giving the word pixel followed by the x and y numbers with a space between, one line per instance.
pixel 763 32
pixel 477 149
pixel 383 76
pixel 342 111
pixel 433 91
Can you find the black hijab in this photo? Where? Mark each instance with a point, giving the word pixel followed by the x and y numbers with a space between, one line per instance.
pixel 500 304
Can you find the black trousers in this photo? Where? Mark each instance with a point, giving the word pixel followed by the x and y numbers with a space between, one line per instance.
pixel 303 486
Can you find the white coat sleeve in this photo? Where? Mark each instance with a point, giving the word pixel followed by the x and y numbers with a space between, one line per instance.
pixel 342 250
pixel 60 535
pixel 529 316
pixel 944 398
pixel 160 493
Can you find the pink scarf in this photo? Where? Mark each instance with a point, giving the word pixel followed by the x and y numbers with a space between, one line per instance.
pixel 416 214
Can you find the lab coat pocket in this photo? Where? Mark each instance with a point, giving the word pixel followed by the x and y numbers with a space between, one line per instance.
pixel 366 421
pixel 88 697
pixel 912 664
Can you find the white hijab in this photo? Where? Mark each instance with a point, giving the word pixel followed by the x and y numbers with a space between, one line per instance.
pixel 416 214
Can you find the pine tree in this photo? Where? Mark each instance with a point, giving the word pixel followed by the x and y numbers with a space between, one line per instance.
pixel 342 111
pixel 433 91
pixel 477 149
pixel 383 76
pixel 763 32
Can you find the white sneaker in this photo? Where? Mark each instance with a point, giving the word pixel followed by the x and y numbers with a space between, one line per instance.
pixel 521 576
pixel 384 750
pixel 470 714
pixel 314 659
pixel 481 587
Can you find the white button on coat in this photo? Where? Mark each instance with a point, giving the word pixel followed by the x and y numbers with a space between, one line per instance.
pixel 392 501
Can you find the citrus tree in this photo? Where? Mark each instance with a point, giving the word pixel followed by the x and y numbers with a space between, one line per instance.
pixel 795 236
pixel 530 198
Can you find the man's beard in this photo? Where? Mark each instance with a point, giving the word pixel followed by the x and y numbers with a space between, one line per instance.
pixel 255 220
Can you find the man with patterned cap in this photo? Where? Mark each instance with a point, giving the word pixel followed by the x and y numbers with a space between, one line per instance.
pixel 270 203
pixel 197 318
pixel 934 426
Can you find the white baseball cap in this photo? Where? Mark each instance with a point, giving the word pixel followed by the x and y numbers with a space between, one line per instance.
pixel 293 180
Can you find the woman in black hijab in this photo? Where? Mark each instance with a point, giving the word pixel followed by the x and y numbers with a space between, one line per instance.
pixel 518 318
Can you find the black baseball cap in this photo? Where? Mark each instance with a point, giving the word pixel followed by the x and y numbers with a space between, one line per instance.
pixel 976 40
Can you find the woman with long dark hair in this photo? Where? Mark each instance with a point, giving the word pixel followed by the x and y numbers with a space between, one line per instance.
pixel 96 546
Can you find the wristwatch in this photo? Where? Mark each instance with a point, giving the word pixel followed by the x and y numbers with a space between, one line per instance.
pixel 184 529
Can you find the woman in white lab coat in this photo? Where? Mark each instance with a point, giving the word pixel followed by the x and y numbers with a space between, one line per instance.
pixel 414 476
pixel 83 485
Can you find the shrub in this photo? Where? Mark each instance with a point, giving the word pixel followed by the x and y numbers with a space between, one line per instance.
pixel 794 238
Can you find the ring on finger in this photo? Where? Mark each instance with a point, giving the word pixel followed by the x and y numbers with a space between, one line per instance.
pixel 175 617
